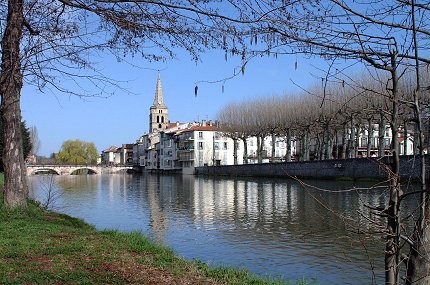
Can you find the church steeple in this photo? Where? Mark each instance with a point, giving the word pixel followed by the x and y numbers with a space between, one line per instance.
pixel 158 113
pixel 158 100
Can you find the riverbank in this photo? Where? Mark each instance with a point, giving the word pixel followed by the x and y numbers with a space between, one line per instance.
pixel 334 169
pixel 58 249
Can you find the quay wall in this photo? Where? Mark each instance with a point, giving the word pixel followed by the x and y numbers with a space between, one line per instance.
pixel 354 168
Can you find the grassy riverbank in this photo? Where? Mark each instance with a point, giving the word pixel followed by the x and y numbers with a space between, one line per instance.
pixel 41 247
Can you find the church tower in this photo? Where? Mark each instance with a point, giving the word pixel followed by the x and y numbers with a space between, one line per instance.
pixel 158 113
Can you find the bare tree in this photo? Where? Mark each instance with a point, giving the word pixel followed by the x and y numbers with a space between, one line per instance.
pixel 47 43
pixel 387 36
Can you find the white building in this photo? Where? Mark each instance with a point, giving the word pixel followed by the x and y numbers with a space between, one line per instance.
pixel 280 149
pixel 363 137
pixel 204 144
pixel 110 156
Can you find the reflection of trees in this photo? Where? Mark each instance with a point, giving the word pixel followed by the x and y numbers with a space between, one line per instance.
pixel 77 182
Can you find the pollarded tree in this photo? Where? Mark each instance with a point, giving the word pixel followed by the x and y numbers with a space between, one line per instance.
pixel 388 36
pixel 228 118
pixel 77 152
pixel 235 120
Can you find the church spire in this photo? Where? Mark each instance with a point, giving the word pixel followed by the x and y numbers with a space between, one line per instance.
pixel 158 100
pixel 158 112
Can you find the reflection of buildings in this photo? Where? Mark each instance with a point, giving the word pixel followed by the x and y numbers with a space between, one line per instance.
pixel 136 191
pixel 159 220
pixel 250 205
pixel 232 200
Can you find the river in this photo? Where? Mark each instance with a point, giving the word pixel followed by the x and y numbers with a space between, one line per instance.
pixel 274 227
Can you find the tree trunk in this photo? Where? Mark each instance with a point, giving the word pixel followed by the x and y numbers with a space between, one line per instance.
pixel 318 149
pixel 405 138
pixel 306 155
pixel 273 147
pixel 381 144
pixel 11 81
pixel 356 139
pixel 352 139
pixel 288 154
pixel 235 151
pixel 259 149
pixel 335 145
pixel 344 141
pixel 418 266
pixel 392 246
pixel 245 151
pixel 328 144
pixel 369 137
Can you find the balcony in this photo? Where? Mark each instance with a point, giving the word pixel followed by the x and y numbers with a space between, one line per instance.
pixel 186 148
pixel 186 157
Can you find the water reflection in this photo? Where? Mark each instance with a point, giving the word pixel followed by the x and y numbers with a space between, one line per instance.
pixel 272 227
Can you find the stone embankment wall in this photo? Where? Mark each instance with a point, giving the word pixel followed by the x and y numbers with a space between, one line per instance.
pixel 355 168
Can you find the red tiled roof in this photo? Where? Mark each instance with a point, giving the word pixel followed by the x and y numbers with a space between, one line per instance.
pixel 111 149
pixel 203 128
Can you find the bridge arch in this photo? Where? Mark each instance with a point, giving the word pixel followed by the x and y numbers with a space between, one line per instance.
pixel 44 170
pixel 83 170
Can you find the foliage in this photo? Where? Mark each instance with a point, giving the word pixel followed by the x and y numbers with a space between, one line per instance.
pixel 26 140
pixel 56 248
pixel 77 152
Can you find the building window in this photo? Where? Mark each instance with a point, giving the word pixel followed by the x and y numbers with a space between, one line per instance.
pixel 200 145
pixel 158 119
pixel 216 145
pixel 162 119
pixel 200 135
pixel 387 142
pixel 225 145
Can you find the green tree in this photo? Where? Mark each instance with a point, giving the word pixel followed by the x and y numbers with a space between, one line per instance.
pixel 77 152
pixel 26 141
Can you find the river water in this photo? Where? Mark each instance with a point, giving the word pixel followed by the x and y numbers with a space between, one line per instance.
pixel 274 227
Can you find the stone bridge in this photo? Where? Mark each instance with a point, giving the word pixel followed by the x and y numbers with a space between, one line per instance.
pixel 69 169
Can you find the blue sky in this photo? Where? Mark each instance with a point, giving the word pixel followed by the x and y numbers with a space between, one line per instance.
pixel 123 117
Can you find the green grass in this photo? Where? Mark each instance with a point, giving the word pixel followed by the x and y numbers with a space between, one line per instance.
pixel 58 249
